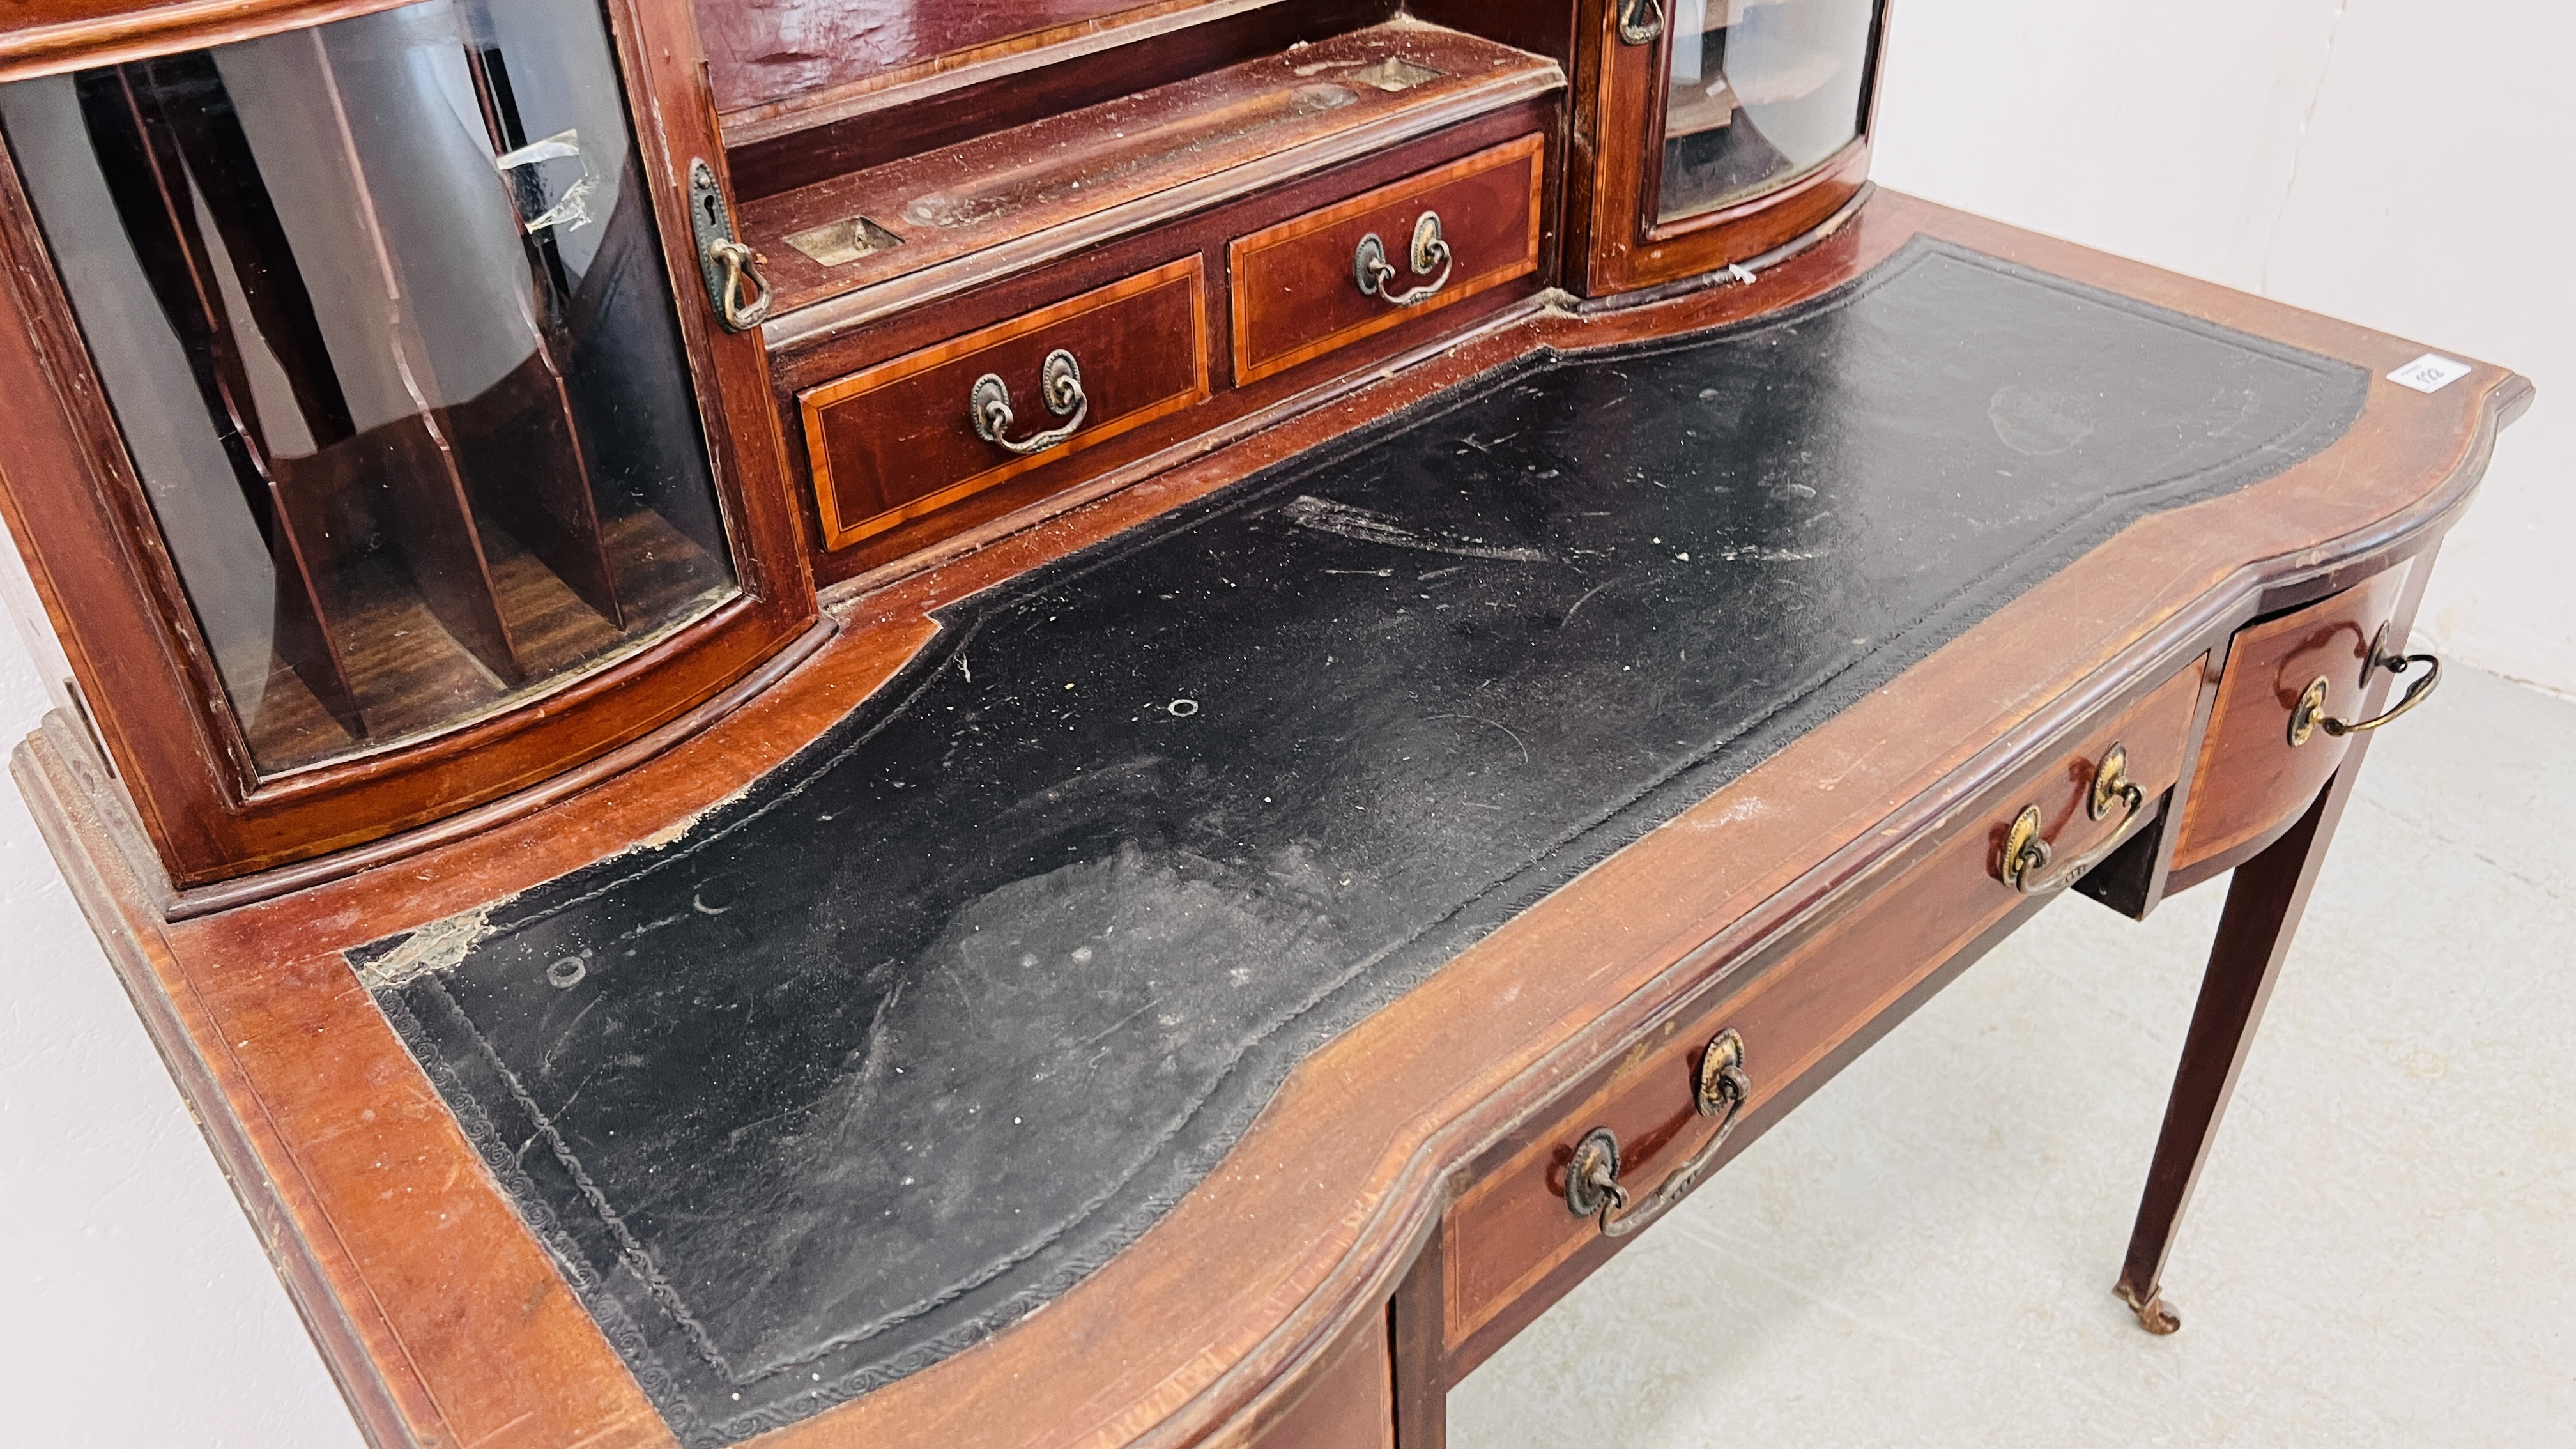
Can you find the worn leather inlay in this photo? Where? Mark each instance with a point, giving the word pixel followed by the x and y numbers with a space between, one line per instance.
pixel 940 1015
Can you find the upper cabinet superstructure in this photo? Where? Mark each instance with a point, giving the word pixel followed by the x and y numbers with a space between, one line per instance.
pixel 419 410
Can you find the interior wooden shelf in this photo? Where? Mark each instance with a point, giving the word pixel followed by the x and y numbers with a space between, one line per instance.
pixel 1698 108
pixel 1080 176
pixel 779 68
pixel 410 676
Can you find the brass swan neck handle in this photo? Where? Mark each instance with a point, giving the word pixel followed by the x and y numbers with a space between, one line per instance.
pixel 1592 1185
pixel 1059 383
pixel 2028 857
pixel 1430 254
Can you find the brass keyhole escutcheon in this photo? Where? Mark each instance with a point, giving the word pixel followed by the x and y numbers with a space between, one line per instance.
pixel 2310 712
pixel 734 284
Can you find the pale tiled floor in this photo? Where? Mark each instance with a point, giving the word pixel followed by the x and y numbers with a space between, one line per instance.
pixel 2382 1250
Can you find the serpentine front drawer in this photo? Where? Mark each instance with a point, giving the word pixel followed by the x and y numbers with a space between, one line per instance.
pixel 928 429
pixel 1320 281
pixel 2252 779
pixel 1787 1026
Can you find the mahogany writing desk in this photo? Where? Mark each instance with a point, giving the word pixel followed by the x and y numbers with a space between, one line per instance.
pixel 1306 821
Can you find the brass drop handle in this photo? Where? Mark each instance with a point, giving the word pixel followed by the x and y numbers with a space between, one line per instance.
pixel 2027 856
pixel 732 270
pixel 1377 276
pixel 745 296
pixel 1641 22
pixel 1592 1185
pixel 2311 716
pixel 1059 382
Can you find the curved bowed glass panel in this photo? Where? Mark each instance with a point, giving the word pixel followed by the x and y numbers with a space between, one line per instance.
pixel 382 312
pixel 1762 92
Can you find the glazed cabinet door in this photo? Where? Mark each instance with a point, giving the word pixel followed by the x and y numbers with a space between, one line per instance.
pixel 1724 129
pixel 387 351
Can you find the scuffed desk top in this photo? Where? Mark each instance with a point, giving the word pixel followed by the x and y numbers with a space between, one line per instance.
pixel 940 1015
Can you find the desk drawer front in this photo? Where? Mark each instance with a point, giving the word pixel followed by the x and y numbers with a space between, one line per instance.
pixel 2251 780
pixel 1512 1228
pixel 901 439
pixel 1297 286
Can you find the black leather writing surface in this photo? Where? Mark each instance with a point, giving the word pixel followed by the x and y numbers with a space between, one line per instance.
pixel 949 1009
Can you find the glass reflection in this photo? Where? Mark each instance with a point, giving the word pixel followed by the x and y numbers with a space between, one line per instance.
pixel 1763 91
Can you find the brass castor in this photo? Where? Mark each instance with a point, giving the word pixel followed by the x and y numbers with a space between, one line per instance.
pixel 2153 1315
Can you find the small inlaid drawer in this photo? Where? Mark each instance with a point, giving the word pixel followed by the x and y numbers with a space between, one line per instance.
pixel 1557 1196
pixel 923 431
pixel 1328 278
pixel 2259 770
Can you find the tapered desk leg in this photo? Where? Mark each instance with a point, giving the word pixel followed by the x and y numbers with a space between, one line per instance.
pixel 2264 903
pixel 1420 1339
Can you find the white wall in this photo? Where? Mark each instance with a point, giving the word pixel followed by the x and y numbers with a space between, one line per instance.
pixel 2402 164
pixel 136 1307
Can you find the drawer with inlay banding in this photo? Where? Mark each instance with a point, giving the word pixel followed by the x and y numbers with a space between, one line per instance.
pixel 2295 691
pixel 934 427
pixel 1629 1144
pixel 1318 282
